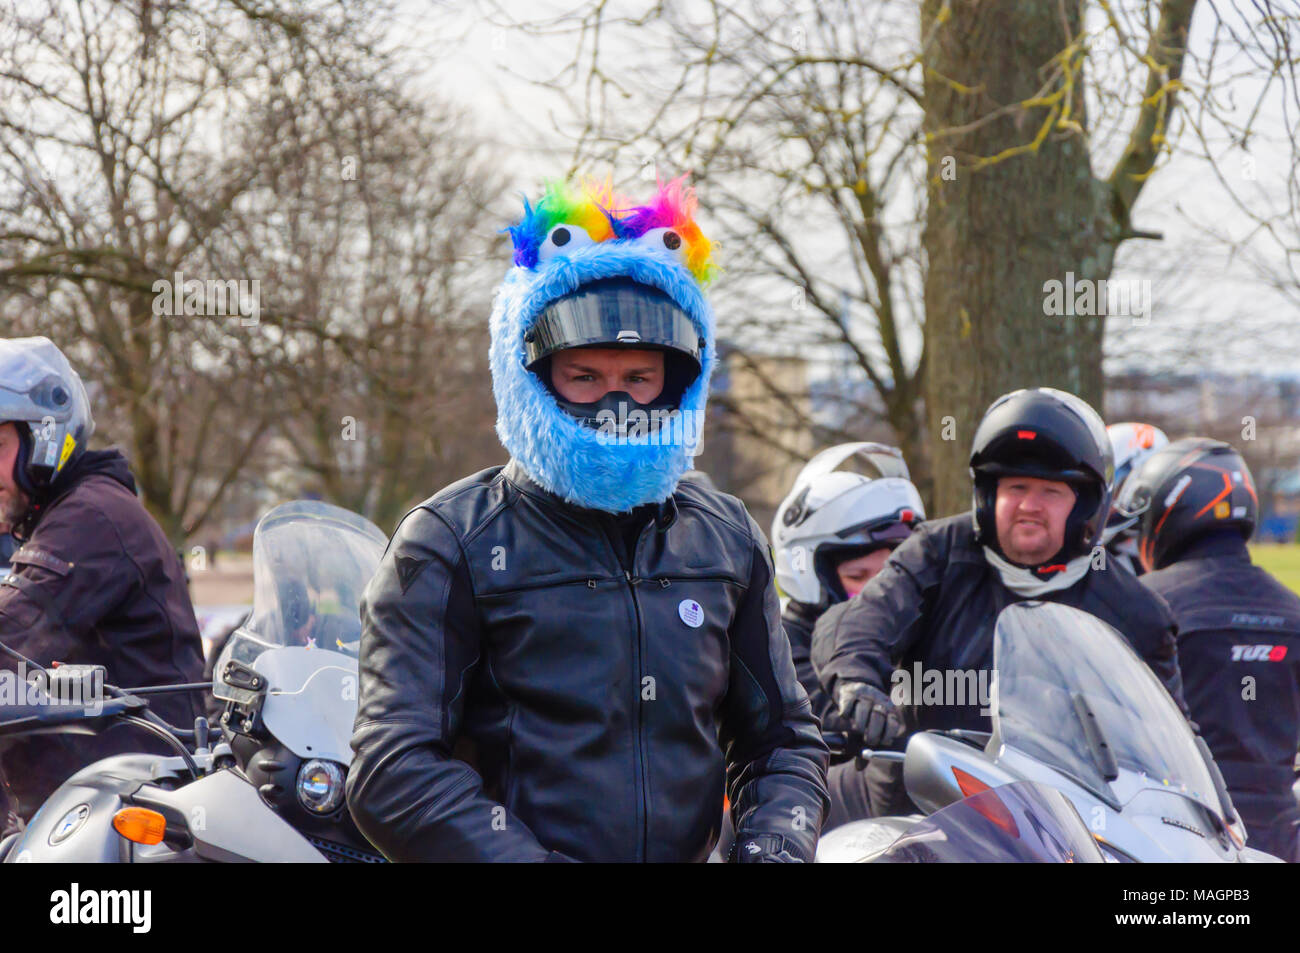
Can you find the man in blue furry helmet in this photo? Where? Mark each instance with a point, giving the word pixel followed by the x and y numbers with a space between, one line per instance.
pixel 575 656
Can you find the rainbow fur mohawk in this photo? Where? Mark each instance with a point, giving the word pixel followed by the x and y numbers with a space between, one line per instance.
pixel 595 208
pixel 605 236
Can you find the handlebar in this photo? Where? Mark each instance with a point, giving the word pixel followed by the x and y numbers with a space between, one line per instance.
pixel 842 742
pixel 36 719
pixel 49 713
pixel 121 706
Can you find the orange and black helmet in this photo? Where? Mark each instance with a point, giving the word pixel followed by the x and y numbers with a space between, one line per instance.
pixel 1185 490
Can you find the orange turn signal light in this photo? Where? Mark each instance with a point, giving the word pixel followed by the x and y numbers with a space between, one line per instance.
pixel 140 824
pixel 1236 838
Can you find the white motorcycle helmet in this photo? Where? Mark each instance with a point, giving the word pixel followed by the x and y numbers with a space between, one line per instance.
pixel 847 501
pixel 44 397
pixel 1132 443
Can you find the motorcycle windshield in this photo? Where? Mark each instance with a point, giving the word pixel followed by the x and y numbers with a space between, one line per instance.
pixel 311 561
pixel 1070 692
pixel 1018 823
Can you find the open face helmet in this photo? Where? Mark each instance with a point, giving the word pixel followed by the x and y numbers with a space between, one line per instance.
pixel 44 396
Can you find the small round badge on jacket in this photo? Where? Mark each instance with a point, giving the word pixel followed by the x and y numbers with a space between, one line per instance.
pixel 691 613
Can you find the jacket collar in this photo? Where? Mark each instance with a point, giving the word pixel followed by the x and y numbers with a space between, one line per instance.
pixel 517 476
pixel 107 463
pixel 1226 543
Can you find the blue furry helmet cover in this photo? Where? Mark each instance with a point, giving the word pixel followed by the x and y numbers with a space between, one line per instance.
pixel 612 239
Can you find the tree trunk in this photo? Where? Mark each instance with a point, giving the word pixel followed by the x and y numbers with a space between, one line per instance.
pixel 996 231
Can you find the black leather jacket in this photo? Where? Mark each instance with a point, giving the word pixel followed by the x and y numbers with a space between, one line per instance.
pixel 596 705
pixel 1239 649
pixel 936 602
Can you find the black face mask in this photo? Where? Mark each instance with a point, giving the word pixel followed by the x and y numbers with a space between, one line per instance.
pixel 617 413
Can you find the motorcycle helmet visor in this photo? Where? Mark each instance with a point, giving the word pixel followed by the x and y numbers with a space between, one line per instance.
pixel 874 461
pixel 613 312
pixel 31 388
pixel 872 531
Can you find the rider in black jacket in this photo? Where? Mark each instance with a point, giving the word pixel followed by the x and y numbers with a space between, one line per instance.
pixel 95 581
pixel 573 656
pixel 848 509
pixel 1239 628
pixel 1041 466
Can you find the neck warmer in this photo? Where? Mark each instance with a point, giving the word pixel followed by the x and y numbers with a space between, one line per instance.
pixel 1026 582
pixel 577 463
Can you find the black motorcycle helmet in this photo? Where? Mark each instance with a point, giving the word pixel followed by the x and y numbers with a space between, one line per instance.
pixel 1185 490
pixel 1046 433
pixel 617 313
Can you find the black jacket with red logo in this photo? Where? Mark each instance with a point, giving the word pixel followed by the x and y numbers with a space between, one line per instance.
pixel 1239 649
pixel 95 582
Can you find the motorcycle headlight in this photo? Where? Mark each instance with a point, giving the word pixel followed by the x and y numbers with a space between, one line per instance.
pixel 320 786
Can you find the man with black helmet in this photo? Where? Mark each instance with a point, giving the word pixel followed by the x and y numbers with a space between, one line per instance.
pixel 573 656
pixel 95 580
pixel 1195 507
pixel 1041 464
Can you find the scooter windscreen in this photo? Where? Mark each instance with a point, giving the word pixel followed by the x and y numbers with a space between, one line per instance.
pixel 1021 823
pixel 311 561
pixel 1070 692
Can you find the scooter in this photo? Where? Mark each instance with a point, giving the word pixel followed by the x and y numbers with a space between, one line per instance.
pixel 1076 710
pixel 270 787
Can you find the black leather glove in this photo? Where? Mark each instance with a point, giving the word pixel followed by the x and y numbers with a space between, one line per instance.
pixel 763 849
pixel 871 712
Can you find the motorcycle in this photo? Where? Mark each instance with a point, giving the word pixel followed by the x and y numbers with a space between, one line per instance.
pixel 1019 823
pixel 1074 709
pixel 270 787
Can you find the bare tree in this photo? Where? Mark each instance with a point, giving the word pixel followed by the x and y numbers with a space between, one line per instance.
pixel 124 151
pixel 180 213
pixel 799 142
pixel 385 269
pixel 952 144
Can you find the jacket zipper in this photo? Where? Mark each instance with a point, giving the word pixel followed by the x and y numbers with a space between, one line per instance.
pixel 640 734
pixel 639 759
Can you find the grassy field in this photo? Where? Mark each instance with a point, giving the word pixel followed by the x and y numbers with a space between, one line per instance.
pixel 1282 560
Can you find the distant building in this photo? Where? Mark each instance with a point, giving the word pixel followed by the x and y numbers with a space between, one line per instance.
pixel 758 437
pixel 1259 415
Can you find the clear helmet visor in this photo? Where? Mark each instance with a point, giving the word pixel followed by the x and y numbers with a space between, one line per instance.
pixel 39 386
pixel 613 312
